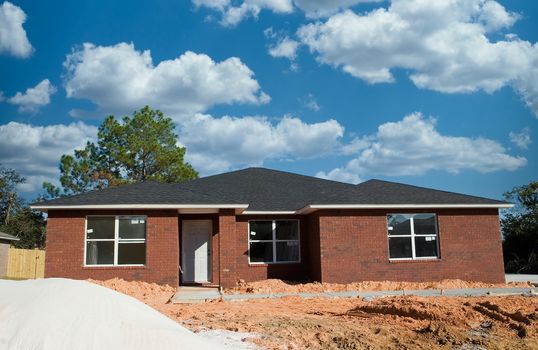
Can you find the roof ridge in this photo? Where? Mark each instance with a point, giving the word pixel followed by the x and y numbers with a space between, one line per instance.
pixel 281 172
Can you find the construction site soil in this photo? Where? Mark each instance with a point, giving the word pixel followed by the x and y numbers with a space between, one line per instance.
pixel 403 322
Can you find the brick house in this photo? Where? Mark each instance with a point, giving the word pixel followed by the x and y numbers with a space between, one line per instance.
pixel 258 223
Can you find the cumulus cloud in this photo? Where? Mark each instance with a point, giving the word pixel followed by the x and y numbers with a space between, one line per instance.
pixel 35 151
pixel 521 139
pixel 444 44
pixel 284 48
pixel 212 4
pixel 220 144
pixel 13 39
pixel 324 8
pixel 340 174
pixel 213 144
pixel 413 146
pixel 34 98
pixel 233 14
pixel 120 79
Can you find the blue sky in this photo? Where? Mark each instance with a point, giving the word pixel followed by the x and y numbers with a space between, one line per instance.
pixel 439 94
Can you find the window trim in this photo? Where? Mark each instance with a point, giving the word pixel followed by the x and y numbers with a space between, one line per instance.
pixel 274 241
pixel 412 236
pixel 116 240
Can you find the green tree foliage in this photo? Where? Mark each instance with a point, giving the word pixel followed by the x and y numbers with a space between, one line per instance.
pixel 16 218
pixel 520 230
pixel 29 226
pixel 141 147
pixel 9 200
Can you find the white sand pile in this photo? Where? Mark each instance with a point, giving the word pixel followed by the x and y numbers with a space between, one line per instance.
pixel 56 314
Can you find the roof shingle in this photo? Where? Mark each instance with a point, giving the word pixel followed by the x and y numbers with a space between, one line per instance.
pixel 268 190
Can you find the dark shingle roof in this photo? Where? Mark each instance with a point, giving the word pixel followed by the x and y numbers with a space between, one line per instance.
pixel 147 192
pixel 379 192
pixel 268 190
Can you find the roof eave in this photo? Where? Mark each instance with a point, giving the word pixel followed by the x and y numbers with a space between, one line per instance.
pixel 238 207
pixel 313 207
pixel 269 212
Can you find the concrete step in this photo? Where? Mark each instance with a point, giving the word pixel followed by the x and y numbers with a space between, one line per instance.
pixel 192 295
pixel 513 277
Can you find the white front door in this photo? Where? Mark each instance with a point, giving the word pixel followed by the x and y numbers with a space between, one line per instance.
pixel 196 249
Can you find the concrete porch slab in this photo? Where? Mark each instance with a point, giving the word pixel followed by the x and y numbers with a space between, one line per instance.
pixel 192 295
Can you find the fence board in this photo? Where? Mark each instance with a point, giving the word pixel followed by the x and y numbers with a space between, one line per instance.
pixel 26 263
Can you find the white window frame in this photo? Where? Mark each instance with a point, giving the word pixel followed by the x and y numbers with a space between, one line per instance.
pixel 275 241
pixel 413 235
pixel 117 240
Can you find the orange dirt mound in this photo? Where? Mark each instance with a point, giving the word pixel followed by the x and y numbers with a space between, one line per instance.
pixel 404 322
pixel 279 286
pixel 149 293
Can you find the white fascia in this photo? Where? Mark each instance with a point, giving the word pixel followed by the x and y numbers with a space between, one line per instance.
pixel 261 212
pixel 313 207
pixel 140 206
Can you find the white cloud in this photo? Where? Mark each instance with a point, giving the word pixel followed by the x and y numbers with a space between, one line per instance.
pixel 34 98
pixel 213 144
pixel 494 16
pixel 121 79
pixel 443 43
pixel 413 146
pixel 212 4
pixel 233 15
pixel 284 48
pixel 35 151
pixel 220 144
pixel 357 144
pixel 13 39
pixel 340 174
pixel 521 139
pixel 324 8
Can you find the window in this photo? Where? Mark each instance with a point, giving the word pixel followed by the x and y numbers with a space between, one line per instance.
pixel 115 240
pixel 412 236
pixel 275 241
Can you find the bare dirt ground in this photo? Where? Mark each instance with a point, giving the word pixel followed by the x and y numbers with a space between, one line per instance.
pixel 278 286
pixel 500 322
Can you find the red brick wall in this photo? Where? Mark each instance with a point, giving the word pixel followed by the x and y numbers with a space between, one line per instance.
pixel 65 248
pixel 233 235
pixel 336 246
pixel 227 248
pixel 254 272
pixel 314 254
pixel 470 247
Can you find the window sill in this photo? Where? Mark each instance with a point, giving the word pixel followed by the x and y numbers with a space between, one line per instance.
pixel 114 267
pixel 273 263
pixel 414 261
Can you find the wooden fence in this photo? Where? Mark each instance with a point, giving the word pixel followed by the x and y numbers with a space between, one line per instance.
pixel 25 263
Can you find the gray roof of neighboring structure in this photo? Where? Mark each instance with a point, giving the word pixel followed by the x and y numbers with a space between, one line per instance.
pixel 268 190
pixel 7 237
